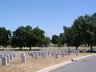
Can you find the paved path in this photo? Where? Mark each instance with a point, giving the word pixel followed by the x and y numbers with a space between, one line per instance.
pixel 84 65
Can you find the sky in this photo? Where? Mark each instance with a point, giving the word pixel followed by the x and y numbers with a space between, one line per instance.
pixel 48 15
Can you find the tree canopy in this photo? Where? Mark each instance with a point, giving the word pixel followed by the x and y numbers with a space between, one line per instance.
pixel 54 39
pixel 28 37
pixel 82 31
pixel 4 36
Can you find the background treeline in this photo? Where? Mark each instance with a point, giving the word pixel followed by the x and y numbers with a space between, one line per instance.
pixel 82 32
pixel 23 37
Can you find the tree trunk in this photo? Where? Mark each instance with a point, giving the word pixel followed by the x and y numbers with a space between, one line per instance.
pixel 91 47
pixel 20 48
pixel 30 48
pixel 88 45
pixel 76 47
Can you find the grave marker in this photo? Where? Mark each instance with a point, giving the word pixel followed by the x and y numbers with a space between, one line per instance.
pixel 4 61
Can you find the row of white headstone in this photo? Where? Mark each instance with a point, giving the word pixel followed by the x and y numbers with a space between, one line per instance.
pixel 56 53
pixel 6 57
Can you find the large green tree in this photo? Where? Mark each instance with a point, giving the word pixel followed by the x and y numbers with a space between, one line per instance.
pixel 92 30
pixel 84 30
pixel 68 37
pixel 46 41
pixel 19 37
pixel 38 36
pixel 4 36
pixel 29 37
pixel 61 39
pixel 78 32
pixel 55 39
pixel 23 37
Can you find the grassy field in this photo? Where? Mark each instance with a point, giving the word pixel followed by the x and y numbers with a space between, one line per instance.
pixel 44 48
pixel 32 65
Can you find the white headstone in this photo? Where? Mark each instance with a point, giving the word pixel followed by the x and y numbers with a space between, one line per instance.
pixel 62 54
pixel 56 55
pixel 11 57
pixel 36 56
pixel 8 58
pixel 23 58
pixel 4 61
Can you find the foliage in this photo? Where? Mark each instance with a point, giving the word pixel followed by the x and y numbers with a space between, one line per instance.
pixel 46 41
pixel 61 39
pixel 4 36
pixel 38 36
pixel 28 37
pixel 54 39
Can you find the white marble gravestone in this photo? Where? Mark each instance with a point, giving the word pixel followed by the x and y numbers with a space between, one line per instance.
pixel 4 61
pixel 56 55
pixel 8 58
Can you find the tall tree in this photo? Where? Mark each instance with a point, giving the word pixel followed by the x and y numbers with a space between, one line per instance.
pixel 19 38
pixel 84 29
pixel 92 30
pixel 61 39
pixel 78 30
pixel 5 36
pixel 68 37
pixel 46 41
pixel 38 36
pixel 55 39
pixel 29 37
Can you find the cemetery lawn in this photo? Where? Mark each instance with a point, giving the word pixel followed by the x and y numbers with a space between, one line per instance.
pixel 44 48
pixel 32 65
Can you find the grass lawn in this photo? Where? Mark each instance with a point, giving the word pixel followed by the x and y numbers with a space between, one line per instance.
pixel 44 48
pixel 32 65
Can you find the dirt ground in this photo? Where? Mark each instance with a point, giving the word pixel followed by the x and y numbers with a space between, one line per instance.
pixel 32 65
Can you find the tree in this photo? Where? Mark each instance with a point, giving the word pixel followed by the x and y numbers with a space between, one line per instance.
pixel 61 40
pixel 29 37
pixel 92 30
pixel 78 32
pixel 38 36
pixel 46 41
pixel 68 37
pixel 84 30
pixel 19 38
pixel 23 37
pixel 4 36
pixel 55 39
